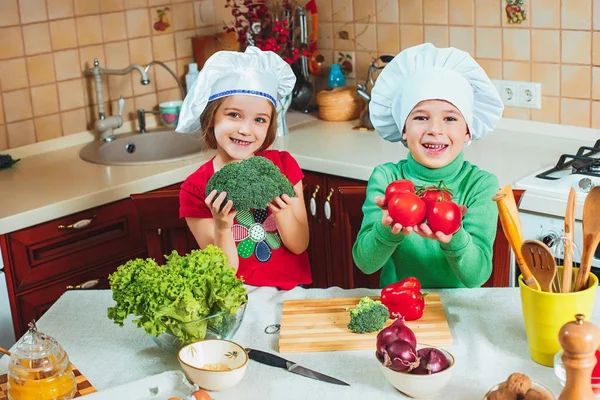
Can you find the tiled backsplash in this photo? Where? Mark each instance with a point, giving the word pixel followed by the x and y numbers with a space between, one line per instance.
pixel 558 44
pixel 48 45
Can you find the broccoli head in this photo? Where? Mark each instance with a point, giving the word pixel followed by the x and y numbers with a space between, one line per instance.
pixel 251 183
pixel 368 316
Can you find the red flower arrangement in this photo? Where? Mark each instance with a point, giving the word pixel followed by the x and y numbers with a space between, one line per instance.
pixel 265 26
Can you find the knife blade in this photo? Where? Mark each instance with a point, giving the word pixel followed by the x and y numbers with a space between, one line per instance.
pixel 275 361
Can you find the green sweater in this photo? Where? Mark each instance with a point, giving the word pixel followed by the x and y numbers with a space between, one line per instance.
pixel 466 261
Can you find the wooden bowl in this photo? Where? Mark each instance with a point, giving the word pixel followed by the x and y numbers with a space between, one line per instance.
pixel 339 104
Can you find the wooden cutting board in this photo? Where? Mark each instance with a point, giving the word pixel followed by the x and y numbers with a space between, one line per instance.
pixel 321 325
pixel 83 385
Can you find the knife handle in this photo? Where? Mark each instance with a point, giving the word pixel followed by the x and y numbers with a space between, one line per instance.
pixel 267 358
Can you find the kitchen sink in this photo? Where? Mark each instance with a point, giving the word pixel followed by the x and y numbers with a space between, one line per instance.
pixel 143 148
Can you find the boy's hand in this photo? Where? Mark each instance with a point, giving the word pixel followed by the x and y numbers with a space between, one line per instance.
pixel 386 220
pixel 223 216
pixel 425 231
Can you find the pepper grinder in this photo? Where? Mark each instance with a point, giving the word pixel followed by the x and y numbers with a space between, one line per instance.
pixel 579 340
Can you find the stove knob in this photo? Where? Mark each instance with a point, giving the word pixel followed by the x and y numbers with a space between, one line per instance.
pixel 549 239
pixel 586 184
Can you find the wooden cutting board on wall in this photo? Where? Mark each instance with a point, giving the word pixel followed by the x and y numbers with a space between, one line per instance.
pixel 205 46
pixel 321 325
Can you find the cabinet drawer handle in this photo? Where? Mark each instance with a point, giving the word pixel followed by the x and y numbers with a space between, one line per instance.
pixel 79 224
pixel 313 202
pixel 85 285
pixel 327 205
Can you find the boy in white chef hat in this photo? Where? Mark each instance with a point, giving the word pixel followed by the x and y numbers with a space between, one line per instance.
pixel 232 103
pixel 434 100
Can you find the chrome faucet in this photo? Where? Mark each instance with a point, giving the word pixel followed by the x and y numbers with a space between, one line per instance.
pixel 104 125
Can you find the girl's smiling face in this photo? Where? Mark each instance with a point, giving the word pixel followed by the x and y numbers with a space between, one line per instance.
pixel 240 124
pixel 436 132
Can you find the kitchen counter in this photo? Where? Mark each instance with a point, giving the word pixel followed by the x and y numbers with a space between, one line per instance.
pixel 486 324
pixel 53 184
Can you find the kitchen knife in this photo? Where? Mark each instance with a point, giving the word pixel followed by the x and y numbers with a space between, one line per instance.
pixel 276 361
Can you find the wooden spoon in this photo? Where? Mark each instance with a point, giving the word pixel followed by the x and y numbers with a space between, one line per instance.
pixel 3 350
pixel 568 244
pixel 591 236
pixel 540 261
pixel 511 225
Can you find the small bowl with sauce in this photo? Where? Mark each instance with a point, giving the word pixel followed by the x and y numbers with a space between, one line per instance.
pixel 214 364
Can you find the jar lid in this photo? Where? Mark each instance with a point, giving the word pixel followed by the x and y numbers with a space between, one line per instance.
pixel 36 351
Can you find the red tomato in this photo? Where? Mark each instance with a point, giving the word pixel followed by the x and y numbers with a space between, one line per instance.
pixel 432 194
pixel 444 216
pixel 407 209
pixel 399 186
pixel 596 371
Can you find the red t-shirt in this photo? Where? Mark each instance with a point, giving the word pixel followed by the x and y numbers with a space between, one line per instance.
pixel 264 260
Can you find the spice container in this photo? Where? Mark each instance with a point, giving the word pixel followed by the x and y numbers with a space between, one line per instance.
pixel 39 369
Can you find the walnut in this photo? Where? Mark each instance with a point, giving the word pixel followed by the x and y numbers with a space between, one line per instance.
pixel 502 393
pixel 534 394
pixel 518 384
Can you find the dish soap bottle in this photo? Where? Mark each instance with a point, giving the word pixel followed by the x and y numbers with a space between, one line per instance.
pixel 336 76
pixel 39 369
pixel 191 76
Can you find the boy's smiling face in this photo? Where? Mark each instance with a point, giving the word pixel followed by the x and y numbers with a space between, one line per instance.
pixel 436 132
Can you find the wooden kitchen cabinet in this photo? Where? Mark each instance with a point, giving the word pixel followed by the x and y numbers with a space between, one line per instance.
pixel 40 261
pixel 334 216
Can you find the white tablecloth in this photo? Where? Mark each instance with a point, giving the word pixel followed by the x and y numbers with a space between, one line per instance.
pixel 487 330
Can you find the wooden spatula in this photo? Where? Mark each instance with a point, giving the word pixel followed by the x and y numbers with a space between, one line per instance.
pixel 511 225
pixel 568 244
pixel 591 236
pixel 540 261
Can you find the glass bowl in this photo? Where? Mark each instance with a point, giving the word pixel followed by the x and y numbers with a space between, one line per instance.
pixel 534 385
pixel 561 374
pixel 219 326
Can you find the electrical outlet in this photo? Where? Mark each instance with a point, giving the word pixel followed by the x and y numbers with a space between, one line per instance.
pixel 519 94
pixel 529 95
pixel 507 91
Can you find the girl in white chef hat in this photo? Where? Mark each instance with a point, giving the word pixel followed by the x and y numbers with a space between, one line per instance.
pixel 232 103
pixel 435 101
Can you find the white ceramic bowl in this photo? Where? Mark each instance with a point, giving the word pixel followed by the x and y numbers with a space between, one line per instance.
pixel 199 359
pixel 420 386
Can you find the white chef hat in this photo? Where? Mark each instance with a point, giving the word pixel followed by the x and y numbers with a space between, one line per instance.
pixel 254 73
pixel 425 72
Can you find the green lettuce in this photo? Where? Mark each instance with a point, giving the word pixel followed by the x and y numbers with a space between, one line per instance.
pixel 176 296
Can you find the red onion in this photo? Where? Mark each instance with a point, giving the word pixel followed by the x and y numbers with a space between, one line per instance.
pixel 396 331
pixel 401 356
pixel 431 361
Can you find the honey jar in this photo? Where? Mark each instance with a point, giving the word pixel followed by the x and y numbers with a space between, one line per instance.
pixel 39 369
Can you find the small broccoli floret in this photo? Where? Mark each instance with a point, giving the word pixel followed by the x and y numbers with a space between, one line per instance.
pixel 368 316
pixel 251 183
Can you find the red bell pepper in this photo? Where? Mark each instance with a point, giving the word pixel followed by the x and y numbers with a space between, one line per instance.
pixel 404 299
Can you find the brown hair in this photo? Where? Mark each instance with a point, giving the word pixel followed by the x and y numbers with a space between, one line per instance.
pixel 207 123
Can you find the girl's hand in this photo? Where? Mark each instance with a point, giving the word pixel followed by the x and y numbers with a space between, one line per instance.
pixel 425 231
pixel 386 220
pixel 223 217
pixel 283 202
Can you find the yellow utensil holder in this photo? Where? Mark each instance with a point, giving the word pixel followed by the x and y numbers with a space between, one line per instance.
pixel 545 313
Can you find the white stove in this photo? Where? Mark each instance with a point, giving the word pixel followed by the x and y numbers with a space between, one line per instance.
pixel 543 205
